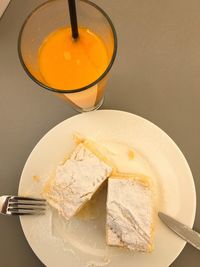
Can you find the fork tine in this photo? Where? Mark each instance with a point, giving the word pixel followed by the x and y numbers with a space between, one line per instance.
pixel 16 204
pixel 26 213
pixel 26 209
pixel 14 198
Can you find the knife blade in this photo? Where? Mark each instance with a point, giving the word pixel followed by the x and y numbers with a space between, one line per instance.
pixel 182 230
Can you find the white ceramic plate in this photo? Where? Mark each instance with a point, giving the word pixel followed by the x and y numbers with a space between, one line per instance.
pixel 3 6
pixel 82 242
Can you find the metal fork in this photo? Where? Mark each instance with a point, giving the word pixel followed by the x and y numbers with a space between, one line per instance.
pixel 17 205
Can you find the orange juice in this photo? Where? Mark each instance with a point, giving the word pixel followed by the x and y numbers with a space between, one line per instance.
pixel 75 70
pixel 68 64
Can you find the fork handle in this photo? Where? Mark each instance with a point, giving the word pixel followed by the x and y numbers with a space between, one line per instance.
pixel 1 203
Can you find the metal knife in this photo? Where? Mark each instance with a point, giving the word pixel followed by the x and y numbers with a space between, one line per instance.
pixel 182 230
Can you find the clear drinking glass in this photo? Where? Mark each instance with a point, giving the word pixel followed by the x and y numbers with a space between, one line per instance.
pixel 49 17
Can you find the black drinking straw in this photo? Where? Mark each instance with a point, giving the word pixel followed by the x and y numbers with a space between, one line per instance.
pixel 73 18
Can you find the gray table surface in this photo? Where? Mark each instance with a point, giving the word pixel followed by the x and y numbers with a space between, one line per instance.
pixel 156 75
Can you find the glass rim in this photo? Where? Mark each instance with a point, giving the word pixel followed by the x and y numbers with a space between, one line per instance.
pixel 76 89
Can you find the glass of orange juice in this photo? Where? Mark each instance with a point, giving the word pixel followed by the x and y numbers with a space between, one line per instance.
pixel 74 69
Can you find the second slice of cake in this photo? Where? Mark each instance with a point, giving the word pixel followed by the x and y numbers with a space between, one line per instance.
pixel 76 181
pixel 130 212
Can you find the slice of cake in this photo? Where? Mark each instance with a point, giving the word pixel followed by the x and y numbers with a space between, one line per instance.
pixel 130 212
pixel 77 179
